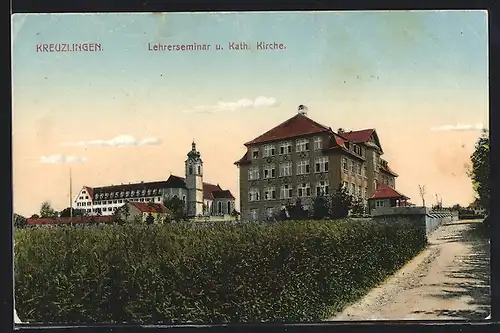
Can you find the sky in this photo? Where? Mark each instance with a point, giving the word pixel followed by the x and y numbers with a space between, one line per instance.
pixel 128 114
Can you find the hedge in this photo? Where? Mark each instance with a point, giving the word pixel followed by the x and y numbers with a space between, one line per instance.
pixel 291 271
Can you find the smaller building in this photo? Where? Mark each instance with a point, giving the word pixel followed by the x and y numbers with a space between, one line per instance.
pixel 386 196
pixel 476 208
pixel 140 211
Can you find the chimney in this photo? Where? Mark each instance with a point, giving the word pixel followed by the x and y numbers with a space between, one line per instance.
pixel 340 130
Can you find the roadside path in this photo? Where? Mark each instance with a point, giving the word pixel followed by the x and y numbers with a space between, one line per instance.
pixel 448 280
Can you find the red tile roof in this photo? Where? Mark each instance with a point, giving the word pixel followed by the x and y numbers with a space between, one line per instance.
pixel 387 192
pixel 68 220
pixel 90 191
pixel 225 194
pixel 243 160
pixel 296 126
pixel 149 207
pixel 358 136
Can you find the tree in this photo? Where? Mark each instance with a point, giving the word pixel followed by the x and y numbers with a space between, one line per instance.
pixel 20 221
pixel 357 208
pixel 176 206
pixel 480 171
pixel 35 216
pixel 296 210
pixel 46 211
pixel 321 208
pixel 341 203
pixel 421 189
pixel 66 212
pixel 456 207
pixel 150 219
pixel 235 214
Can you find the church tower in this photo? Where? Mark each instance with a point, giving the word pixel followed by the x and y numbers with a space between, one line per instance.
pixel 194 182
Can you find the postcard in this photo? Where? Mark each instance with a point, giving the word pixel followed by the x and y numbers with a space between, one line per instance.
pixel 249 167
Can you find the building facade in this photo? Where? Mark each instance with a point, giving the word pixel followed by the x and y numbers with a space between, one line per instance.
pixel 200 198
pixel 301 158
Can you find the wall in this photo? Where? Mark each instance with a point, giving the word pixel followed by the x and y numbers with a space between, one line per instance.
pixel 427 218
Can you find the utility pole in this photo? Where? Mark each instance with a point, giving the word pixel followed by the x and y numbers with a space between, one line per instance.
pixel 70 196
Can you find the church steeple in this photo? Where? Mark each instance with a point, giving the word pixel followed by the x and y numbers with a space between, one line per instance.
pixel 194 182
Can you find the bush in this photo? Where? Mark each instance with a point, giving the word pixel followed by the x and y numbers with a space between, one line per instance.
pixel 173 273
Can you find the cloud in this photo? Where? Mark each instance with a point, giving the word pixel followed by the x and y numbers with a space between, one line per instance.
pixel 459 127
pixel 118 141
pixel 259 102
pixel 60 159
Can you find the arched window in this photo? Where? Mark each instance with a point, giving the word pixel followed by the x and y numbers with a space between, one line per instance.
pixel 219 207
pixel 199 170
pixel 190 170
pixel 229 207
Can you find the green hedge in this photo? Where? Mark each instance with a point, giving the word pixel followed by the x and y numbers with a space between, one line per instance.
pixel 287 271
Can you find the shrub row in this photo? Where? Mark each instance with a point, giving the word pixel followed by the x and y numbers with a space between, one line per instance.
pixel 289 271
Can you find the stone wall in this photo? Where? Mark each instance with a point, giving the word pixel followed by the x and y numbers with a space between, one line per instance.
pixel 427 218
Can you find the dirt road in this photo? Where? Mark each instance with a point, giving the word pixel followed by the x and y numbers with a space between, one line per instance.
pixel 449 280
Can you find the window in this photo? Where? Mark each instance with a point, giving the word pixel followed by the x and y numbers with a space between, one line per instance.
pixel 353 166
pixel 141 199
pixel 254 194
pixel 322 187
pixel 357 150
pixel 255 153
pixel 199 170
pixel 269 150
pixel 359 192
pixel 345 185
pixel 269 193
pixel 302 145
pixel 115 201
pixel 358 169
pixel 304 190
pixel 363 171
pixel 254 214
pixel 321 164
pixel 374 159
pixel 285 148
pixel 285 169
pixel 303 167
pixel 120 201
pixel 269 211
pixel 379 203
pixel 229 207
pixel 344 164
pixel 219 207
pixel 183 198
pixel 253 173
pixel 86 197
pixel 286 191
pixel 317 143
pixel 190 170
pixel 375 184
pixel 269 171
pixel 352 190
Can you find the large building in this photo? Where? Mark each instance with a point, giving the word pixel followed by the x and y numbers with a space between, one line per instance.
pixel 302 158
pixel 200 198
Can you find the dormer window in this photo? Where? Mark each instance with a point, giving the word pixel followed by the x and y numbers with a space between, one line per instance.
pixel 132 193
pixel 122 194
pixel 143 192
pixel 106 195
pixel 149 192
pixel 127 194
pixel 255 153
